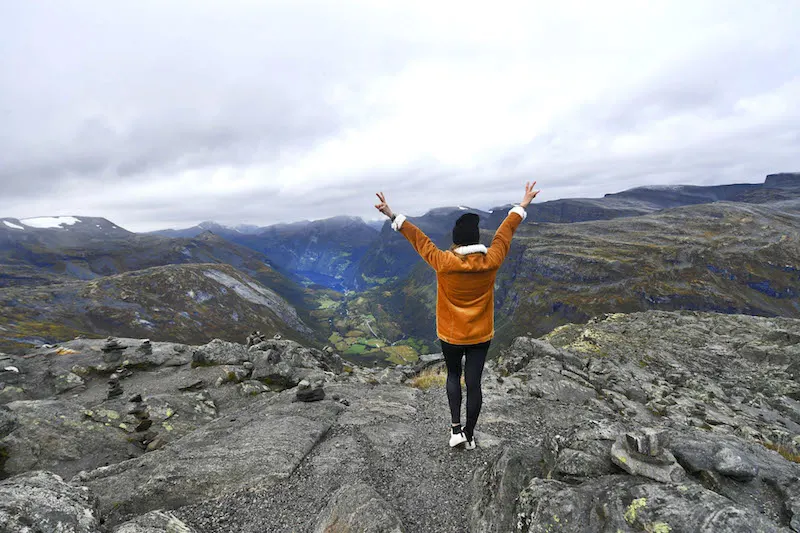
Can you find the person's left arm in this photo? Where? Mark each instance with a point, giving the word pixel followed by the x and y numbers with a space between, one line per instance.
pixel 423 245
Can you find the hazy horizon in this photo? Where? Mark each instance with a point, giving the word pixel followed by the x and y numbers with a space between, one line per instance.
pixel 162 115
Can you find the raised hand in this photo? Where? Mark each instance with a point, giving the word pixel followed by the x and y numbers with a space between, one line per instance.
pixel 383 207
pixel 530 194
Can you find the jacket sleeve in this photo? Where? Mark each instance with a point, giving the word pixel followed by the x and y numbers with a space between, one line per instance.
pixel 501 242
pixel 421 243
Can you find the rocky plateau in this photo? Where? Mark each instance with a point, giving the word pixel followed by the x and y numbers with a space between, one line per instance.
pixel 651 421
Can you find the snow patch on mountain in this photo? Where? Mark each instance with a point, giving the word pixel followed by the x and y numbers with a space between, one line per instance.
pixel 49 222
pixel 259 295
pixel 12 225
pixel 256 295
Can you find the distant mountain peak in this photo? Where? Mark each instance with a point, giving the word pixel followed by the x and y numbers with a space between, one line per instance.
pixel 62 223
pixel 783 179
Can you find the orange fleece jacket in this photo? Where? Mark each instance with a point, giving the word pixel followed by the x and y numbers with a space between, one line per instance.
pixel 465 280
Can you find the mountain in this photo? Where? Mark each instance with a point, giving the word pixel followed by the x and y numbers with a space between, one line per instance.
pixel 323 252
pixel 70 254
pixel 26 246
pixel 724 256
pixel 342 253
pixel 390 257
pixel 776 187
pixel 214 227
pixel 32 259
pixel 376 224
pixel 667 258
pixel 655 421
pixel 181 303
pixel 56 231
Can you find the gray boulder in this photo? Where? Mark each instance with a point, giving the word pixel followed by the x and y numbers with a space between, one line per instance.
pixel 617 503
pixel 733 465
pixel 154 522
pixel 357 508
pixel 42 501
pixel 8 421
pixel 220 352
pixel 495 489
pixel 57 435
pixel 794 370
pixel 581 451
pixel 253 447
pixel 660 467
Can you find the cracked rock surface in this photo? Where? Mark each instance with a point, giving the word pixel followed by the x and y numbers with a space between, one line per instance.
pixel 656 421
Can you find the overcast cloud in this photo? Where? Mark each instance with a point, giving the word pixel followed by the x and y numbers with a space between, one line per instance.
pixel 162 114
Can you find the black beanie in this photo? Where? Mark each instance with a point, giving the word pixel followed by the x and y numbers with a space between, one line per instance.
pixel 466 230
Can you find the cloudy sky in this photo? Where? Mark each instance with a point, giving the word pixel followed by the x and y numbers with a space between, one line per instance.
pixel 165 113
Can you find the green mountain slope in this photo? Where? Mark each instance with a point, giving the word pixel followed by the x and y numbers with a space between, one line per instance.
pixel 180 303
pixel 725 257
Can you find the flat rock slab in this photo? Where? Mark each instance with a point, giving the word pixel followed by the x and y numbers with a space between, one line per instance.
pixel 663 468
pixel 496 487
pixel 154 522
pixel 250 448
pixel 56 435
pixel 358 508
pixel 614 503
pixel 43 500
pixel 487 440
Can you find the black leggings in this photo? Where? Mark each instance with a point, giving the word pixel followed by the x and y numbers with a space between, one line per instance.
pixel 473 369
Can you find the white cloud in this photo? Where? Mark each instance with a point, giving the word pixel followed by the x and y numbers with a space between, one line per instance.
pixel 257 112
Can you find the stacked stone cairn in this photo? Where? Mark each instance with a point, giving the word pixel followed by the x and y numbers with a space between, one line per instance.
pixel 255 338
pixel 112 350
pixel 145 348
pixel 114 386
pixel 307 393
pixel 642 453
pixel 143 434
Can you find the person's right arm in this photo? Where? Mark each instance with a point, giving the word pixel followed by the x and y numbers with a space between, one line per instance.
pixel 501 242
pixel 421 243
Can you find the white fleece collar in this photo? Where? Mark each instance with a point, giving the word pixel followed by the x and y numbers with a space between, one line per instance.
pixel 471 249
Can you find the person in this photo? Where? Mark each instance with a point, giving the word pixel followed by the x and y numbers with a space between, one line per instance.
pixel 465 276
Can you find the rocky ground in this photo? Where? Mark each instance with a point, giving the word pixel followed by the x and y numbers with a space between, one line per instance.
pixel 656 421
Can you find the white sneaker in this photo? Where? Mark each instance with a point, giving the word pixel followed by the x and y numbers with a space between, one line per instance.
pixel 457 438
pixel 470 444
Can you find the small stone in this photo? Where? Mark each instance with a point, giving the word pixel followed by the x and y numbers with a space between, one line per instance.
pixel 112 345
pixel 304 384
pixel 731 464
pixel 663 468
pixel 193 386
pixel 136 398
pixel 647 441
pixel 248 365
pixel 144 425
pixel 137 410
pixel 156 443
pixel 310 395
